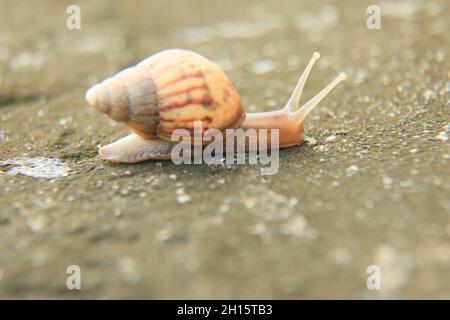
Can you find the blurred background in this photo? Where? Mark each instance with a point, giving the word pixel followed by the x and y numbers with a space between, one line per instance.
pixel 372 190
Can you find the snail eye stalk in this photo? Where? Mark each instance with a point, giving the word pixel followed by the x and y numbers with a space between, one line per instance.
pixel 307 107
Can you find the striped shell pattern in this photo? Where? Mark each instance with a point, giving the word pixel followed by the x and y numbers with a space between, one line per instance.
pixel 168 91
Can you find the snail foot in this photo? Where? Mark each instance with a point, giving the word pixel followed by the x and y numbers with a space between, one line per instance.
pixel 133 148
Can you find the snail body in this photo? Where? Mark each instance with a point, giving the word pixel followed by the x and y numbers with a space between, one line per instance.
pixel 175 89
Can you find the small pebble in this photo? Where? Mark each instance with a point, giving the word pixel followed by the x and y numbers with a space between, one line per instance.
pixel 182 197
pixel 173 176
pixel 429 94
pixel 351 170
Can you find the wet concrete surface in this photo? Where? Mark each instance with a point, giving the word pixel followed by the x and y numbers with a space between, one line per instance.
pixel 373 189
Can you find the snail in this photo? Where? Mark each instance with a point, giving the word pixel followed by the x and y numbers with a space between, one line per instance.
pixel 173 89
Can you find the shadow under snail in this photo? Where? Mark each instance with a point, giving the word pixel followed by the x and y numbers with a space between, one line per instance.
pixel 174 88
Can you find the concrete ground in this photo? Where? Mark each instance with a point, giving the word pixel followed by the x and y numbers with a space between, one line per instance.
pixel 373 190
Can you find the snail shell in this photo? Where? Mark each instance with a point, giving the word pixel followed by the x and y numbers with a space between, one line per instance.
pixel 168 91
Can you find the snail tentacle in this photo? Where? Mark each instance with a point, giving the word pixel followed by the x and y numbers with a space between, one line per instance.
pixel 293 102
pixel 301 114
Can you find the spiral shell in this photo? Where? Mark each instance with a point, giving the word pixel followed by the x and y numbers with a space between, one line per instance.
pixel 167 91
